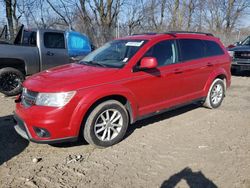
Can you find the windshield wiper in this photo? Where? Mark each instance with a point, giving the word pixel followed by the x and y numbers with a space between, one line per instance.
pixel 92 63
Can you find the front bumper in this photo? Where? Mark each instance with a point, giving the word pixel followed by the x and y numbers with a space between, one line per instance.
pixel 43 124
pixel 23 131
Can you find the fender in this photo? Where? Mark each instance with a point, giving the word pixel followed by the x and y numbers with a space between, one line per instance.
pixel 217 72
pixel 94 94
pixel 18 64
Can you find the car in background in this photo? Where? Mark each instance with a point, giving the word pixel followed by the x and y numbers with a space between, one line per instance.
pixel 240 56
pixel 125 80
pixel 36 50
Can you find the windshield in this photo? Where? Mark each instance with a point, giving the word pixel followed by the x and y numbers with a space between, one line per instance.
pixel 246 41
pixel 113 54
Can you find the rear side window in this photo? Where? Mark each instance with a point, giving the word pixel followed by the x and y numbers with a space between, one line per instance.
pixel 29 38
pixel 164 52
pixel 212 48
pixel 191 49
pixel 54 40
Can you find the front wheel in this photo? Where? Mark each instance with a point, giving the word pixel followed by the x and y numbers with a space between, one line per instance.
pixel 215 94
pixel 11 81
pixel 107 124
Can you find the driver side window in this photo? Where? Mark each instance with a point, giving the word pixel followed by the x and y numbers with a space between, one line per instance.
pixel 164 52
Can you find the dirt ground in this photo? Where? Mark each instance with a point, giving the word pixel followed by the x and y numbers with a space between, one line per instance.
pixel 189 147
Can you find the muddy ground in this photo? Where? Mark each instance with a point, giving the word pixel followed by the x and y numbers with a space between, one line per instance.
pixel 189 147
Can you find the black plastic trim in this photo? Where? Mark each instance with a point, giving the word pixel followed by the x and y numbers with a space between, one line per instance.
pixel 54 141
pixel 170 108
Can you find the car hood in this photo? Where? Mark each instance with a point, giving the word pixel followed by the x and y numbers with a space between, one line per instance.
pixel 69 77
pixel 240 48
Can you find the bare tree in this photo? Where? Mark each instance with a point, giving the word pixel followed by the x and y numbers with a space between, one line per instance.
pixel 99 18
pixel 191 8
pixel 173 10
pixel 104 13
pixel 223 15
pixel 64 10
pixel 234 9
pixel 133 17
pixel 9 14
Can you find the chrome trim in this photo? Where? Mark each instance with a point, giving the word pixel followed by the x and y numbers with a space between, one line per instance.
pixel 21 132
pixel 19 129
pixel 28 98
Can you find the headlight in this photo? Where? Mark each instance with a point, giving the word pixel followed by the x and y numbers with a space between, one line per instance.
pixel 231 53
pixel 54 99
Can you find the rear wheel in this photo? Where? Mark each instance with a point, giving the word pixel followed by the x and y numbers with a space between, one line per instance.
pixel 11 81
pixel 215 94
pixel 106 125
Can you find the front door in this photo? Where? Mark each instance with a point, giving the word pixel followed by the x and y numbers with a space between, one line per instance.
pixel 156 89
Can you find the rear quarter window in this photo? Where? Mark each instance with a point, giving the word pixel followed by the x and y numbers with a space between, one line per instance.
pixel 212 48
pixel 29 38
pixel 191 49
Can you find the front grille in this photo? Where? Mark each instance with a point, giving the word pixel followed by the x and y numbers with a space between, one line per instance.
pixel 242 54
pixel 28 97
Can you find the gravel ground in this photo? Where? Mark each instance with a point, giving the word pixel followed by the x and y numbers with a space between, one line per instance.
pixel 188 147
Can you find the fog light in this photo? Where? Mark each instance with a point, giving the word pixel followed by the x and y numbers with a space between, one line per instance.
pixel 41 132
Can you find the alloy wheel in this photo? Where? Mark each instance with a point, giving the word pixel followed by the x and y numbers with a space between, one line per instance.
pixel 108 125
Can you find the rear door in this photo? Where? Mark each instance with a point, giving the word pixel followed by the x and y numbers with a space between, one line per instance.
pixel 215 54
pixel 53 49
pixel 195 68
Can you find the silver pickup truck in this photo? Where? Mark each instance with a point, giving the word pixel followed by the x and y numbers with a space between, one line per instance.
pixel 33 51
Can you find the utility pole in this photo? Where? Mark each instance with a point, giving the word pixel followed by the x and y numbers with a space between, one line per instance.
pixel 117 35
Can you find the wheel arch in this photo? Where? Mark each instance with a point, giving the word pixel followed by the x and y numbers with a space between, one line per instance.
pixel 224 78
pixel 18 64
pixel 93 99
pixel 219 73
pixel 118 97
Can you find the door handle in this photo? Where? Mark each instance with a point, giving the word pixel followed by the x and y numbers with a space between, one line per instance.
pixel 210 64
pixel 49 53
pixel 178 71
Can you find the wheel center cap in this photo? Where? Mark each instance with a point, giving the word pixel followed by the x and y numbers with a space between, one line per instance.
pixel 109 124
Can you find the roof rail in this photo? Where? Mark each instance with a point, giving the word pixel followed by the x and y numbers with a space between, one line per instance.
pixel 190 32
pixel 172 33
pixel 169 33
pixel 153 33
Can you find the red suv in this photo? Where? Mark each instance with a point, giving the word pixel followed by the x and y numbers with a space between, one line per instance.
pixel 123 81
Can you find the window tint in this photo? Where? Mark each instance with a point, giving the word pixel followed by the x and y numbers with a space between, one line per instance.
pixel 54 40
pixel 191 49
pixel 164 52
pixel 212 48
pixel 29 38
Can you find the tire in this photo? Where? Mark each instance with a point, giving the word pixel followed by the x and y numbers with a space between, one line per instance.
pixel 11 81
pixel 215 94
pixel 99 130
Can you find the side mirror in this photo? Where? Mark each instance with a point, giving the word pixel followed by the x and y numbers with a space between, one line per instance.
pixel 148 63
pixel 93 47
